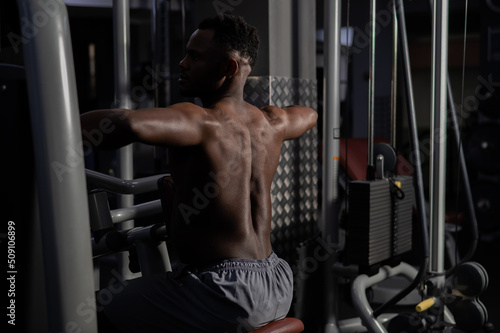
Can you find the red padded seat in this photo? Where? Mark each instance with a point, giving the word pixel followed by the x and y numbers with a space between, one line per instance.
pixel 286 325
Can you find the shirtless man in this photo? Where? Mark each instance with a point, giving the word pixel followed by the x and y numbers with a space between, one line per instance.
pixel 224 156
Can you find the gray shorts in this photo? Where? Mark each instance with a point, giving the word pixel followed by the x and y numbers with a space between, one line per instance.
pixel 235 295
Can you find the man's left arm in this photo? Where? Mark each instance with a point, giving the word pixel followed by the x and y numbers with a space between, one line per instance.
pixel 298 120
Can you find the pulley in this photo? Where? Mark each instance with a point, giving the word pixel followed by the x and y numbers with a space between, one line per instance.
pixel 469 282
pixel 471 279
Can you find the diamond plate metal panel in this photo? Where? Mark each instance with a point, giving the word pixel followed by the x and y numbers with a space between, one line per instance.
pixel 294 192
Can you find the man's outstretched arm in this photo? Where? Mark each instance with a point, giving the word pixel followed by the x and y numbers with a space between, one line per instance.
pixel 298 120
pixel 178 125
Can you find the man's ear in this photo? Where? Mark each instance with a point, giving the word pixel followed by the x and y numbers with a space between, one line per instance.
pixel 232 68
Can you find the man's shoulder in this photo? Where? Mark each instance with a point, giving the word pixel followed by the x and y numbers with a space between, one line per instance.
pixel 271 109
pixel 188 107
pixel 272 112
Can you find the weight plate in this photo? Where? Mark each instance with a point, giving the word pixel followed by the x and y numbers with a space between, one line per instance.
pixel 389 153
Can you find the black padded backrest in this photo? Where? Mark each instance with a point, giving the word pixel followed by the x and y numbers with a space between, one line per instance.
pixel 17 143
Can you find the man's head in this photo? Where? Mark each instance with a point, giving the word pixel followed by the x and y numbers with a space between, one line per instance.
pixel 223 47
pixel 233 34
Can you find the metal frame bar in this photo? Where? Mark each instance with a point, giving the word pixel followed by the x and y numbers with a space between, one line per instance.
pixel 358 293
pixel 394 81
pixel 464 177
pixel 137 211
pixel 439 114
pixel 363 281
pixel 123 186
pixel 121 40
pixel 331 149
pixel 412 122
pixel 62 199
pixel 370 170
pixel 121 43
pixel 152 250
pixel 414 143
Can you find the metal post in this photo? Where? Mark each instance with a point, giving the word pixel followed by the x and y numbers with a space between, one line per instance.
pixel 438 134
pixel 370 171
pixel 416 161
pixel 464 177
pixel 331 151
pixel 394 81
pixel 121 38
pixel 154 50
pixel 59 165
pixel 160 50
pixel 413 129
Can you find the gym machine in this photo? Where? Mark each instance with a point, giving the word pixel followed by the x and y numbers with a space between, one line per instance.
pixel 375 229
pixel 145 245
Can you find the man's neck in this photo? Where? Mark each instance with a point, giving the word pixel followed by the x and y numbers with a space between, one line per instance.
pixel 234 95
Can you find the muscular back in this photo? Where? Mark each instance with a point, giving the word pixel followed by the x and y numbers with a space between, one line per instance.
pixel 223 162
pixel 223 205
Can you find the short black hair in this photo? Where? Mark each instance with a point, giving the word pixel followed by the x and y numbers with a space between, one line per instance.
pixel 234 34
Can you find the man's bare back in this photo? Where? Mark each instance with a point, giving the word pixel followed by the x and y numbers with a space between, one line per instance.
pixel 223 159
pixel 223 162
pixel 223 205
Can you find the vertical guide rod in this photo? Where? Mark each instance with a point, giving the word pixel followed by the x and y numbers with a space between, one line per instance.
pixel 370 170
pixel 437 171
pixel 331 151
pixel 121 40
pixel 438 135
pixel 154 50
pixel 394 81
pixel 415 159
pixel 62 199
pixel 160 52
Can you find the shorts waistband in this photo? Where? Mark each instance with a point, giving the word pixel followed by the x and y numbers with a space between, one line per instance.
pixel 244 264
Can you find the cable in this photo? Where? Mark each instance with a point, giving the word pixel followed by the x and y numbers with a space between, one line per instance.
pixel 347 118
pixel 462 172
pixel 462 166
pixel 460 125
pixel 415 147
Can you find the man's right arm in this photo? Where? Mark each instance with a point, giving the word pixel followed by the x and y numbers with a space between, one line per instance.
pixel 179 125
